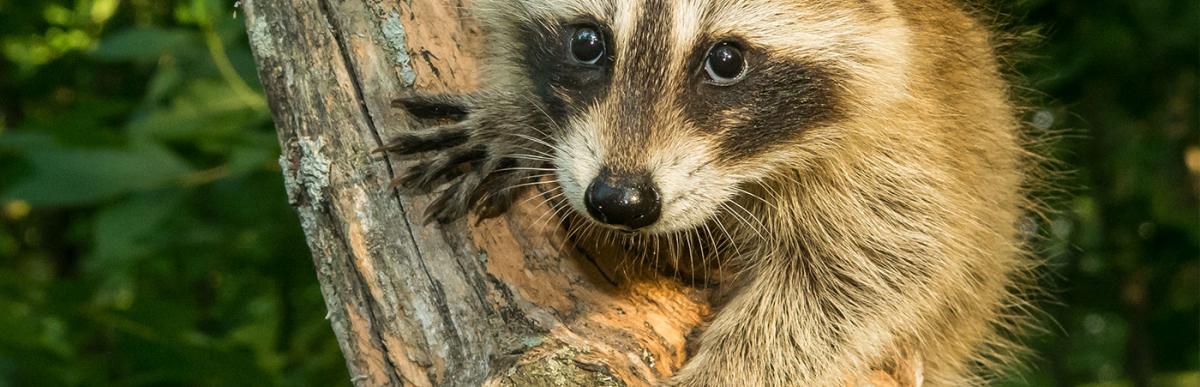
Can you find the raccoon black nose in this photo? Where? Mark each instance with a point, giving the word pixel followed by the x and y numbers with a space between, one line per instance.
pixel 629 200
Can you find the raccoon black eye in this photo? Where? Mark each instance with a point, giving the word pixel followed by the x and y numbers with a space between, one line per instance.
pixel 587 45
pixel 725 64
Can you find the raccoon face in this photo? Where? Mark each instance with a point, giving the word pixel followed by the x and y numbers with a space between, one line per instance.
pixel 663 111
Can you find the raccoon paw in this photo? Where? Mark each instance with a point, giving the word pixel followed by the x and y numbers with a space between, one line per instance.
pixel 480 174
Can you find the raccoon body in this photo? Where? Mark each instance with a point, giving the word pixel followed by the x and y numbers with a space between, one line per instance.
pixel 856 167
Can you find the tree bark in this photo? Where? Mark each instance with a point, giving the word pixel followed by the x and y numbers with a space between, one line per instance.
pixel 505 302
pixel 509 301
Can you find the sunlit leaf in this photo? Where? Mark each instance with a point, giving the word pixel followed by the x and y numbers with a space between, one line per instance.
pixel 102 10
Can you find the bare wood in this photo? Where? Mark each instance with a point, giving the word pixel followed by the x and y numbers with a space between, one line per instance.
pixel 507 302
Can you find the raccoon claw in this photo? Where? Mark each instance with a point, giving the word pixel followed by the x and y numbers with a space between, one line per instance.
pixel 489 189
pixel 459 152
pixel 502 190
pixel 427 140
pixel 450 205
pixel 446 165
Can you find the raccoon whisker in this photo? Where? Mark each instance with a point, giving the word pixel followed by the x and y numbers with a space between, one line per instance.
pixel 657 251
pixel 602 238
pixel 571 231
pixel 670 252
pixel 528 157
pixel 677 251
pixel 540 176
pixel 535 153
pixel 521 179
pixel 515 186
pixel 716 250
pixel 775 194
pixel 542 132
pixel 759 228
pixel 626 264
pixel 576 229
pixel 678 254
pixel 545 137
pixel 639 245
pixel 537 140
pixel 539 152
pixel 560 206
pixel 744 222
pixel 711 252
pixel 770 205
pixel 551 174
pixel 538 179
pixel 790 179
pixel 702 251
pixel 644 244
pixel 528 184
pixel 544 220
pixel 540 141
pixel 538 106
pixel 528 169
pixel 544 200
pixel 691 252
pixel 643 259
pixel 492 194
pixel 644 250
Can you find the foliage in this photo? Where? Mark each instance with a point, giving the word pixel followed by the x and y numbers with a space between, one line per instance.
pixel 145 237
pixel 1122 80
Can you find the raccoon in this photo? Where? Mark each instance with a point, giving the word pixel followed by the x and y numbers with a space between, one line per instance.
pixel 857 167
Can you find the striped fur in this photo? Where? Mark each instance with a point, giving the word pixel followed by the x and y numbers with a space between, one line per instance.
pixel 862 186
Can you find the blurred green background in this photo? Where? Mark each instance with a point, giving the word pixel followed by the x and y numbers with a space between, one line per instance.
pixel 145 238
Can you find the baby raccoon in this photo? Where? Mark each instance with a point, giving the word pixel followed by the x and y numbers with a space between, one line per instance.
pixel 856 166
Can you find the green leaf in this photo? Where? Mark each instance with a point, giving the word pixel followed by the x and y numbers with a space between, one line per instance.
pixel 144 44
pixel 25 142
pixel 246 159
pixel 165 80
pixel 206 109
pixel 70 177
pixel 120 227
pixel 120 232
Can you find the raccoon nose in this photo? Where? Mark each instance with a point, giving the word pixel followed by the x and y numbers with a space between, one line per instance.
pixel 629 200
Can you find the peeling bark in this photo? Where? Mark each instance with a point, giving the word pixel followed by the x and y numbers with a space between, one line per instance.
pixel 506 302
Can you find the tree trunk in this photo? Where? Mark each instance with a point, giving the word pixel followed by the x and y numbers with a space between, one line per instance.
pixel 504 302
pixel 507 301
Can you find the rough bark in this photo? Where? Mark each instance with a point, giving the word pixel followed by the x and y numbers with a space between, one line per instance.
pixel 507 301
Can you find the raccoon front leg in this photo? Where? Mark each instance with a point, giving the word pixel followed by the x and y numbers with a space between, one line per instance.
pixel 779 329
pixel 479 152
